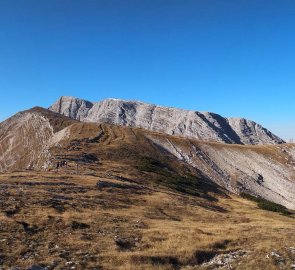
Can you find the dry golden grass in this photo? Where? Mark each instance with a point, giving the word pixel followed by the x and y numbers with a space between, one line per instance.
pixel 139 228
pixel 139 220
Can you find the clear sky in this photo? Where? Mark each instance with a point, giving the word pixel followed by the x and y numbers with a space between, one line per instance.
pixel 232 57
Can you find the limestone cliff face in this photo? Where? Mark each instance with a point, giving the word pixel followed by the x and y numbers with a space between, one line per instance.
pixel 203 126
pixel 252 133
pixel 72 107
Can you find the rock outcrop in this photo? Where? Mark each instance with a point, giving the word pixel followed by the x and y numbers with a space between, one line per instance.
pixel 203 126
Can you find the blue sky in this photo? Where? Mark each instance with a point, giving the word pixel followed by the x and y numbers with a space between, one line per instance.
pixel 235 58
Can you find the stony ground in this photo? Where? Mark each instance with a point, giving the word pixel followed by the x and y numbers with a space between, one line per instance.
pixel 68 221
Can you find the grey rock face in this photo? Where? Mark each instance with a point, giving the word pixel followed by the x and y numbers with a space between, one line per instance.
pixel 203 126
pixel 72 107
pixel 252 133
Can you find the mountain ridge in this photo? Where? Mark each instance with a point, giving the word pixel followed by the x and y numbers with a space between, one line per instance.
pixel 37 139
pixel 205 126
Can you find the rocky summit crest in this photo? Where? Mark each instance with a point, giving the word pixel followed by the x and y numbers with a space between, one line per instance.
pixel 194 124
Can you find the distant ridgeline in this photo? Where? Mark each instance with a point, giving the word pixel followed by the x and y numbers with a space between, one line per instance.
pixel 140 138
pixel 204 126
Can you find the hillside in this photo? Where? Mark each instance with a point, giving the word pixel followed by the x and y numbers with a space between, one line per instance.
pixel 25 138
pixel 38 139
pixel 130 198
pixel 59 220
pixel 203 126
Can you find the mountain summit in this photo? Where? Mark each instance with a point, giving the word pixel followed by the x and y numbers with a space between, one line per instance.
pixel 173 121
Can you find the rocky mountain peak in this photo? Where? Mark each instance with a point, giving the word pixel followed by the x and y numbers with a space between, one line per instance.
pixel 72 107
pixel 200 125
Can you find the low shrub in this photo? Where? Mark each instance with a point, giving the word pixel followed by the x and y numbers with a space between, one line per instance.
pixel 267 205
pixel 165 175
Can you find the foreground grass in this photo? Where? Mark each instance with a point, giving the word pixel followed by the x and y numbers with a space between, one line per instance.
pixel 71 223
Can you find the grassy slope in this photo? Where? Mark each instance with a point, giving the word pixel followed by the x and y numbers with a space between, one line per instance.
pixel 130 226
pixel 161 214
pixel 115 150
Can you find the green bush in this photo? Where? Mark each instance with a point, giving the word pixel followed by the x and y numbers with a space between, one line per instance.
pixel 267 205
pixel 167 176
